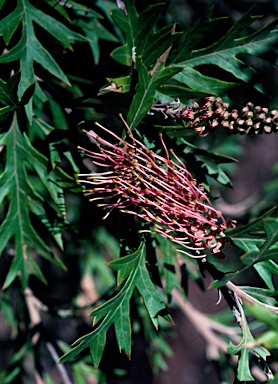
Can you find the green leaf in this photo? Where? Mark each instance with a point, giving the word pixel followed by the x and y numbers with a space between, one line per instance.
pixel 189 39
pixel 2 3
pixel 216 172
pixel 183 93
pixel 137 29
pixel 223 53
pixel 264 295
pixel 8 91
pixel 250 235
pixel 243 370
pixel 116 310
pixel 123 81
pixel 8 28
pixel 23 199
pixel 168 256
pixel 246 344
pixel 95 31
pixel 29 50
pixel 266 269
pixel 251 238
pixel 196 80
pixel 270 225
pixel 150 296
pixel 125 265
pixel 147 86
pixel 97 348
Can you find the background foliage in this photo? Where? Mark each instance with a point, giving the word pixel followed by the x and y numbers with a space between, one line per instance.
pixel 58 59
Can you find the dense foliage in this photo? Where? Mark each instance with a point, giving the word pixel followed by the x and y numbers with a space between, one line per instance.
pixel 170 104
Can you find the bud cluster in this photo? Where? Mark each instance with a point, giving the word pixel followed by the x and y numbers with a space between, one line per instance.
pixel 205 119
pixel 214 113
pixel 157 189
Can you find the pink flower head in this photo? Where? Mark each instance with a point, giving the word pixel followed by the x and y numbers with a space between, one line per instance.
pixel 157 189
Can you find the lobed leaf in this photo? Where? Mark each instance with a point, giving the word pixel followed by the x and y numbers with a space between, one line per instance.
pixel 147 86
pixel 24 200
pixel 243 348
pixel 137 30
pixel 29 49
pixel 116 311
pixel 223 53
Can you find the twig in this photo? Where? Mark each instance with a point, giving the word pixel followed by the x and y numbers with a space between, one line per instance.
pixel 244 296
pixel 61 368
pixel 205 326
pixel 238 209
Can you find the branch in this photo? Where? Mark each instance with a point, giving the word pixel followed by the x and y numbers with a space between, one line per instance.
pixel 244 296
pixel 205 326
pixel 61 368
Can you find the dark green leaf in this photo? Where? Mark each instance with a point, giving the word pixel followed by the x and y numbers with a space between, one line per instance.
pixel 196 80
pixel 246 344
pixel 23 200
pixel 147 85
pixel 29 50
pixel 116 310
pixel 8 91
pixel 95 31
pixel 270 226
pixel 183 93
pixel 9 25
pixel 266 269
pixel 137 30
pixel 223 53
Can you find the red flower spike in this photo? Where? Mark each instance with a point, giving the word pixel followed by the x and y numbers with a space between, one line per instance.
pixel 162 189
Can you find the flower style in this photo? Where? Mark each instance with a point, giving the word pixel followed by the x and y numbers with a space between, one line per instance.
pixel 157 189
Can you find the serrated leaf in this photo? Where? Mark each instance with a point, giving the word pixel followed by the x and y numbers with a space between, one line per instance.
pixel 116 310
pixel 246 344
pixel 252 227
pixel 263 295
pixel 95 31
pixel 29 49
pixel 97 348
pixel 168 255
pixel 183 93
pixel 266 269
pixel 216 172
pixel 150 296
pixel 137 29
pixel 196 80
pixel 111 313
pixel 270 226
pixel 8 90
pixel 125 265
pixel 123 329
pixel 188 40
pixel 23 200
pixel 147 86
pixel 223 53
pixel 8 28
pixel 243 370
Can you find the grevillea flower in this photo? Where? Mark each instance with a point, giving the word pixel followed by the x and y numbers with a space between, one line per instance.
pixel 154 188
pixel 214 114
pixel 250 119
